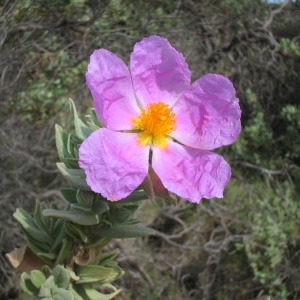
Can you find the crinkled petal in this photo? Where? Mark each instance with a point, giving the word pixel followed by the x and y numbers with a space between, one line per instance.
pixel 208 114
pixel 110 83
pixel 159 72
pixel 191 173
pixel 114 163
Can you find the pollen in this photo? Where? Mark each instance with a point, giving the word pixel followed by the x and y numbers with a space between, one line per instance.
pixel 156 122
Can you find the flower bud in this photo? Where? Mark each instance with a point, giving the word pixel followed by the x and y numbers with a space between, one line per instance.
pixel 153 186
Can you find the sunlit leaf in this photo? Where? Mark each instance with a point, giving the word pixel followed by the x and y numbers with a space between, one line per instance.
pixel 82 130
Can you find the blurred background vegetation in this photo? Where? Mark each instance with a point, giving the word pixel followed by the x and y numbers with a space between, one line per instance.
pixel 245 246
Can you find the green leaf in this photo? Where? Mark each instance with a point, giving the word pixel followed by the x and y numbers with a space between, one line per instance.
pixel 132 199
pixel 94 122
pixel 74 292
pixel 64 251
pixel 38 217
pixel 121 215
pixel 75 231
pixel 27 285
pixel 79 217
pixel 62 277
pixel 52 229
pixel 25 219
pixel 82 130
pixel 61 138
pixel 46 256
pixel 89 293
pixel 62 294
pixel 29 226
pixel 36 248
pixel 85 197
pixel 94 273
pixel 70 146
pixel 58 232
pixel 123 231
pixel 37 278
pixel 48 288
pixel 47 270
pixel 102 242
pixel 103 258
pixel 74 176
pixel 100 207
pixel 69 194
pixel 45 293
pixel 71 163
pixel 80 207
pixel 66 145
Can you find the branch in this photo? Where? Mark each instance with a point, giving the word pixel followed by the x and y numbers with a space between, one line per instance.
pixel 274 13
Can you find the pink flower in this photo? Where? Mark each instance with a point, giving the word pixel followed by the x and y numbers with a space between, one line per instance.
pixel 153 115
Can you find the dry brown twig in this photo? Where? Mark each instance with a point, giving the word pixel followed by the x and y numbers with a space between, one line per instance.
pixel 274 13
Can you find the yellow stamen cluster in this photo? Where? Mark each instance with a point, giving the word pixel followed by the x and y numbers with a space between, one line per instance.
pixel 156 122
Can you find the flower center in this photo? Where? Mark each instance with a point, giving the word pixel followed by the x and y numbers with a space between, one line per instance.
pixel 156 122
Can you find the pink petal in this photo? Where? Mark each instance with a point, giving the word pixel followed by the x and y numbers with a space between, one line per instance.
pixel 114 163
pixel 208 115
pixel 191 173
pixel 159 72
pixel 110 83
